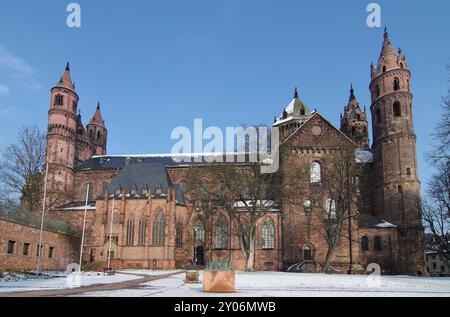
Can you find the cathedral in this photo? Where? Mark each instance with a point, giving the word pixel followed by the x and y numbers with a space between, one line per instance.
pixel 138 215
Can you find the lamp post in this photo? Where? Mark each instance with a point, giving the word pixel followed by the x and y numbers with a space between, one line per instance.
pixel 308 205
pixel 110 233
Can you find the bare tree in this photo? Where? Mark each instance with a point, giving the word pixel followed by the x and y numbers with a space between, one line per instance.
pixel 21 168
pixel 244 193
pixel 436 208
pixel 441 151
pixel 339 187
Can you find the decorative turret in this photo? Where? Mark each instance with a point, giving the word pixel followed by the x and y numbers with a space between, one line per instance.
pixel 354 122
pixel 293 116
pixel 97 132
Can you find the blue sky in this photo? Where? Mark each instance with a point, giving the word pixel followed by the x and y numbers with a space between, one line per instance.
pixel 156 65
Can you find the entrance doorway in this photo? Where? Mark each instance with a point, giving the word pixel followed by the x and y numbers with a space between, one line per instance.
pixel 199 255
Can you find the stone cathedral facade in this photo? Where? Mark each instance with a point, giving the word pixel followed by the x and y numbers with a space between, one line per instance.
pixel 139 215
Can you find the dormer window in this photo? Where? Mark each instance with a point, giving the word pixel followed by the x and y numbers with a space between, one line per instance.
pixel 302 112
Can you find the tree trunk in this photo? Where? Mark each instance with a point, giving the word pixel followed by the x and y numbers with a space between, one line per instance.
pixel 250 261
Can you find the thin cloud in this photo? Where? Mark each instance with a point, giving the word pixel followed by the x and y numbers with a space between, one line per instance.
pixel 13 63
pixel 4 90
pixel 8 111
pixel 18 70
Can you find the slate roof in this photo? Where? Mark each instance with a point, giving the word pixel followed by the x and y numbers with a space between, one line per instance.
pixel 369 221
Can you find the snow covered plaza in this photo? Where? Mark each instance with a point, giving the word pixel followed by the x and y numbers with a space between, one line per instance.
pixel 127 283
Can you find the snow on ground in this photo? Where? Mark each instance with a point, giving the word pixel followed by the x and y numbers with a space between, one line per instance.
pixel 66 281
pixel 277 284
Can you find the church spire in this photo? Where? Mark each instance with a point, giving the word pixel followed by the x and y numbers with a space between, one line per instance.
pixel 97 118
pixel 352 93
pixel 65 80
pixel 296 96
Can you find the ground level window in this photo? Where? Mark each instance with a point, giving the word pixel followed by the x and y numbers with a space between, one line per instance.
pixel 26 249
pixel 51 252
pixel 307 254
pixel 11 247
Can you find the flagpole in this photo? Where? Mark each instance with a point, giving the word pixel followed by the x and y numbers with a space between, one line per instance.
pixel 110 234
pixel 84 226
pixel 42 222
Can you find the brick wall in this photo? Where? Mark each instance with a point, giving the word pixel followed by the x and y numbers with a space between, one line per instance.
pixel 65 248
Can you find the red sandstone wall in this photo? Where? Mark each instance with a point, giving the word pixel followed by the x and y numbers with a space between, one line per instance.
pixel 65 248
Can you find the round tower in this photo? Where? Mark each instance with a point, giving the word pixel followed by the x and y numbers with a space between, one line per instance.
pixel 61 136
pixel 397 186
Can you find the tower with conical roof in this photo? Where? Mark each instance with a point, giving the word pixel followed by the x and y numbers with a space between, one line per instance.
pixel 354 122
pixel 97 132
pixel 61 135
pixel 397 186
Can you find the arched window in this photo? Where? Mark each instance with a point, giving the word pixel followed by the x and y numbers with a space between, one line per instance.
pixel 268 234
pixel 130 232
pixel 408 171
pixel 377 244
pixel 378 115
pixel 98 136
pixel 365 243
pixel 59 100
pixel 307 253
pixel 316 173
pixel 378 91
pixel 302 112
pixel 179 235
pixel 400 189
pixel 159 228
pixel 330 208
pixel 397 109
pixel 199 231
pixel 396 84
pixel 142 231
pixel 222 230
pixel 353 131
pixel 384 69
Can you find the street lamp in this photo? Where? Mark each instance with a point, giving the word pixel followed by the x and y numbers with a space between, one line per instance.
pixel 307 205
pixel 110 233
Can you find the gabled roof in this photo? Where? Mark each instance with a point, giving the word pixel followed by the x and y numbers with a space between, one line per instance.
pixel 307 123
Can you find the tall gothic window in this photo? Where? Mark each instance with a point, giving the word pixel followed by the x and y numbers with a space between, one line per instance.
pixel 222 229
pixel 130 232
pixel 179 235
pixel 330 208
pixel 159 228
pixel 199 231
pixel 316 173
pixel 142 231
pixel 268 234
